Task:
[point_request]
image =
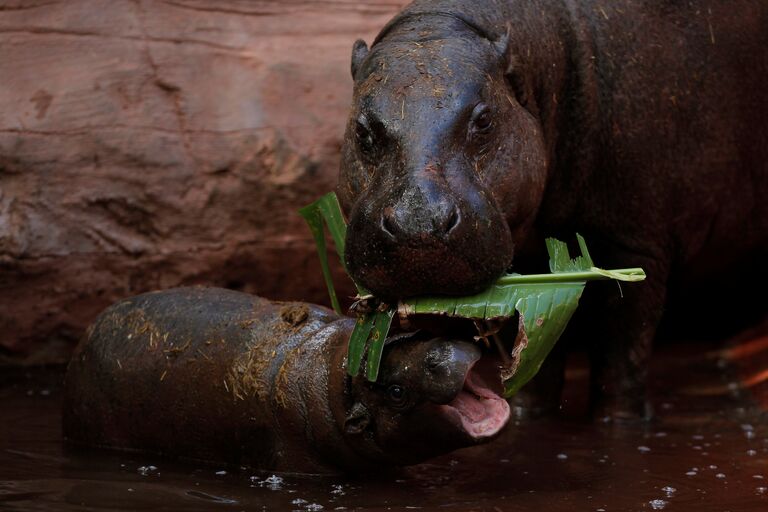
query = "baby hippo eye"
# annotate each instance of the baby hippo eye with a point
(396, 394)
(482, 119)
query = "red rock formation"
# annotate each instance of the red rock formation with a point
(150, 144)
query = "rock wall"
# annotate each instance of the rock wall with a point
(151, 144)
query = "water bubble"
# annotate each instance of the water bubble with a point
(761, 490)
(749, 434)
(273, 483)
(712, 466)
(562, 456)
(660, 434)
(697, 437)
(643, 449)
(146, 470)
(720, 475)
(299, 501)
(314, 507)
(45, 392)
(658, 504)
(337, 489)
(669, 490)
(746, 427)
(758, 477)
(751, 453)
(691, 473)
(221, 472)
(130, 489)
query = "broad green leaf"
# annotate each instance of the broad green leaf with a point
(545, 309)
(544, 302)
(544, 316)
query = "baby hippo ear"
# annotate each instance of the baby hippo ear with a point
(357, 419)
(359, 51)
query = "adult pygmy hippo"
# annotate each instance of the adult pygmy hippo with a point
(479, 125)
(218, 375)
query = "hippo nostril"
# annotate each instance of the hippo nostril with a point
(453, 221)
(432, 361)
(388, 225)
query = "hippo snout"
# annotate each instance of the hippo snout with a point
(400, 227)
(426, 242)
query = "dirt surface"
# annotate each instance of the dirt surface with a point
(145, 145)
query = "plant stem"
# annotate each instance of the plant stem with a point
(634, 274)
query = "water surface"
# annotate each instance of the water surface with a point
(707, 449)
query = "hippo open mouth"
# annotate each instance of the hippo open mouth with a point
(477, 409)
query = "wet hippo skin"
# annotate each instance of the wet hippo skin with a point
(221, 376)
(478, 127)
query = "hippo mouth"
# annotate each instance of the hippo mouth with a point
(477, 409)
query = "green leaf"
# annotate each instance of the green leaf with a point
(544, 317)
(357, 343)
(544, 302)
(560, 260)
(328, 209)
(313, 215)
(381, 323)
(545, 309)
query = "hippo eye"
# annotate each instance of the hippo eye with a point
(482, 119)
(364, 135)
(396, 394)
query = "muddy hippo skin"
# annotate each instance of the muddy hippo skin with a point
(477, 127)
(218, 375)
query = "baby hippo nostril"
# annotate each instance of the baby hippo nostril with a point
(432, 361)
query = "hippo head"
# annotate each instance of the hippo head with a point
(430, 398)
(443, 168)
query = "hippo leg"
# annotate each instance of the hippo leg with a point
(622, 338)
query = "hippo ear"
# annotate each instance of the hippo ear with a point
(357, 420)
(359, 51)
(502, 44)
(513, 69)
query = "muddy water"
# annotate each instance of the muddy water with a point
(706, 450)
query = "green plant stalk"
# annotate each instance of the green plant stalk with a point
(627, 274)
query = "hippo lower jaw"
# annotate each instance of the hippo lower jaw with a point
(477, 409)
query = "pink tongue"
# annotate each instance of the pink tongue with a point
(481, 411)
(470, 408)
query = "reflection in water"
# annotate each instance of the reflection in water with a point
(707, 449)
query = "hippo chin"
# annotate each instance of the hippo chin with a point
(221, 376)
(479, 125)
